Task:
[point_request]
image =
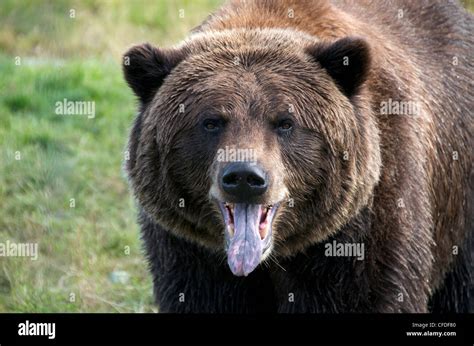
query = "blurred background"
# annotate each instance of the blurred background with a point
(61, 181)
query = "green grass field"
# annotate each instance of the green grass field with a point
(63, 157)
(48, 159)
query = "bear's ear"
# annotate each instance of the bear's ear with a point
(145, 68)
(347, 61)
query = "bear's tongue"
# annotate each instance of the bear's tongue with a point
(245, 248)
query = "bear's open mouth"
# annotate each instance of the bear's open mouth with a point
(248, 233)
(265, 215)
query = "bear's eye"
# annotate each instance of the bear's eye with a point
(211, 125)
(285, 125)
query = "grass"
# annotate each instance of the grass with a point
(69, 28)
(64, 157)
(48, 159)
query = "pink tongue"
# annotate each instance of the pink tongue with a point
(245, 248)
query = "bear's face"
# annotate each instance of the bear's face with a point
(252, 142)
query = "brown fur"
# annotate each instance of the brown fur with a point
(353, 173)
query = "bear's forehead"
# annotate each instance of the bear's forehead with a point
(285, 41)
(240, 58)
(268, 83)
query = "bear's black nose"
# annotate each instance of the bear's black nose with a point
(244, 181)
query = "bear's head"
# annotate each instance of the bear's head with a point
(252, 142)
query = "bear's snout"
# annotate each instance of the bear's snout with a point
(244, 181)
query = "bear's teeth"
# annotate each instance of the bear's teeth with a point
(231, 230)
(230, 213)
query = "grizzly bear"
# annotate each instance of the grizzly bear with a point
(308, 156)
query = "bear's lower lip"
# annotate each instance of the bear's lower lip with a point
(248, 232)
